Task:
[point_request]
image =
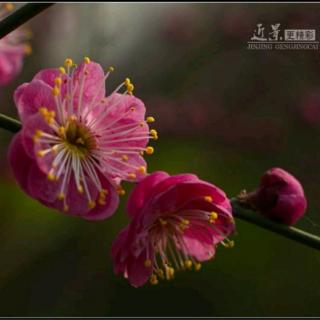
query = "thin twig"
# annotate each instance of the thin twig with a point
(20, 16)
(9, 124)
(292, 233)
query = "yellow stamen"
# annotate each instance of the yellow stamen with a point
(68, 62)
(87, 60)
(121, 191)
(27, 48)
(41, 153)
(37, 135)
(160, 273)
(58, 81)
(65, 208)
(148, 263)
(102, 202)
(142, 169)
(125, 157)
(163, 222)
(80, 188)
(54, 149)
(62, 131)
(154, 134)
(55, 91)
(51, 176)
(149, 150)
(197, 266)
(91, 204)
(61, 196)
(188, 264)
(150, 119)
(170, 273)
(62, 70)
(208, 199)
(9, 6)
(154, 279)
(132, 176)
(111, 69)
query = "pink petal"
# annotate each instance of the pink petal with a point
(94, 84)
(142, 192)
(30, 97)
(47, 76)
(138, 273)
(20, 162)
(40, 187)
(101, 212)
(198, 242)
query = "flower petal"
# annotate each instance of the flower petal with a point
(143, 191)
(29, 98)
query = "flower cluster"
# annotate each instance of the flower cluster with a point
(13, 48)
(176, 223)
(77, 144)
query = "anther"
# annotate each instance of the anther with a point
(160, 273)
(62, 70)
(125, 157)
(149, 150)
(80, 188)
(111, 69)
(132, 176)
(87, 60)
(188, 264)
(58, 81)
(154, 134)
(121, 191)
(154, 279)
(27, 49)
(65, 208)
(148, 263)
(55, 91)
(51, 176)
(68, 62)
(9, 6)
(61, 131)
(91, 204)
(61, 196)
(208, 199)
(142, 169)
(163, 222)
(150, 119)
(197, 266)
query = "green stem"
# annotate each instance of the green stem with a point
(292, 233)
(9, 124)
(20, 16)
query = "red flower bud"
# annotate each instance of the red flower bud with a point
(279, 197)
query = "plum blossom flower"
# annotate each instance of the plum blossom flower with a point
(76, 145)
(13, 48)
(279, 197)
(176, 223)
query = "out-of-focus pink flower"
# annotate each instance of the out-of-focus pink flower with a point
(280, 197)
(13, 48)
(76, 145)
(176, 223)
(310, 107)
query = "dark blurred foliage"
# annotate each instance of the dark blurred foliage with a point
(223, 112)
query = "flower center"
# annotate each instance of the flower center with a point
(78, 138)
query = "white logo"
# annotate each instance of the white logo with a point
(288, 39)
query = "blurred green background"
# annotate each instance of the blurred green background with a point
(223, 112)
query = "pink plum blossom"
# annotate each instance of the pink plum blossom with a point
(76, 145)
(13, 48)
(279, 197)
(176, 223)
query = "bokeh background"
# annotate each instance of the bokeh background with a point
(223, 112)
